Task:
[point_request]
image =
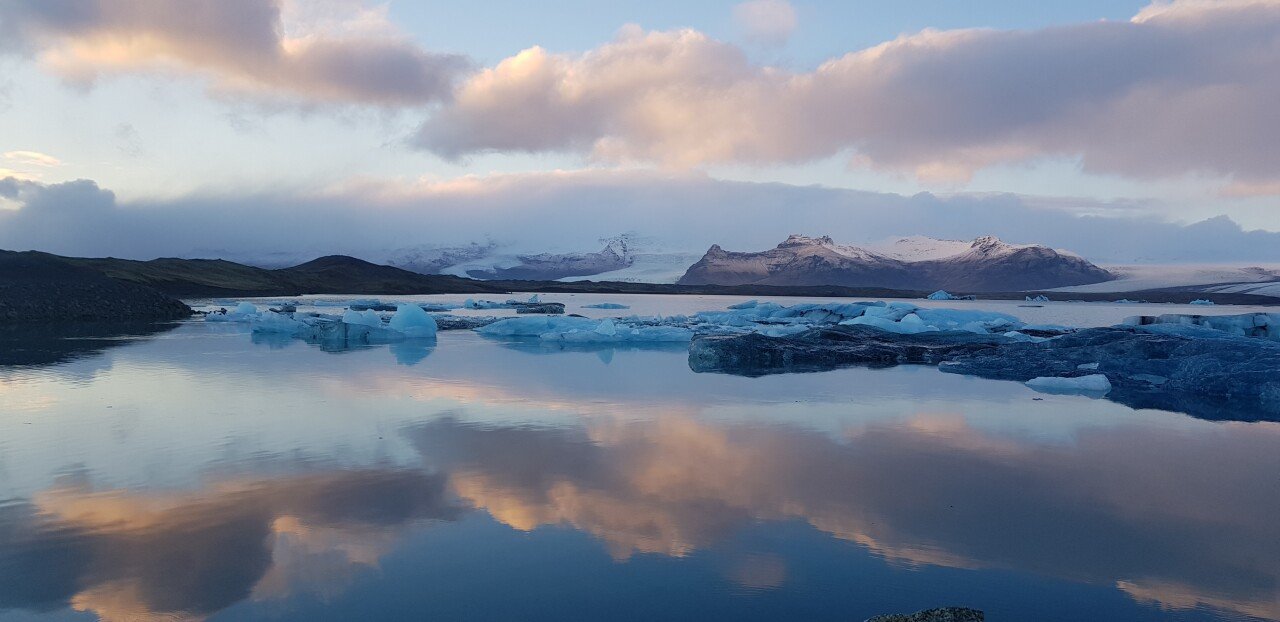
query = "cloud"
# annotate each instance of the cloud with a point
(1182, 88)
(680, 483)
(770, 22)
(32, 158)
(532, 212)
(134, 556)
(351, 54)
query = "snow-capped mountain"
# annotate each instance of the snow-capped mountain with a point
(984, 265)
(615, 255)
(433, 260)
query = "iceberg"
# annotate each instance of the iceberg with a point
(940, 295)
(606, 305)
(1093, 383)
(1039, 298)
(1201, 301)
(412, 321)
(276, 323)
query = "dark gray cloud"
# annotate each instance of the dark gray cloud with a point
(240, 45)
(572, 211)
(1184, 87)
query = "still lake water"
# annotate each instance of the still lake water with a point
(198, 473)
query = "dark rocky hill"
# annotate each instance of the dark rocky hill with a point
(38, 287)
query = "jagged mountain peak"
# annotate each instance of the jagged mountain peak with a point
(796, 239)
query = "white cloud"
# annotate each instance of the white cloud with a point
(328, 52)
(766, 21)
(1183, 88)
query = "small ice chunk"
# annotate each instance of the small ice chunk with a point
(1087, 366)
(750, 304)
(1201, 301)
(367, 317)
(1094, 383)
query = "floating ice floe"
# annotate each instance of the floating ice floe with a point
(511, 303)
(1091, 384)
(583, 330)
(1039, 298)
(909, 319)
(1201, 301)
(606, 305)
(769, 319)
(244, 312)
(941, 295)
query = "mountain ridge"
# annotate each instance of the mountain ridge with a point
(986, 264)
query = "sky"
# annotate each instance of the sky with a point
(1125, 131)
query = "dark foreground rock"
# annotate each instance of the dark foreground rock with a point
(37, 287)
(942, 614)
(1233, 378)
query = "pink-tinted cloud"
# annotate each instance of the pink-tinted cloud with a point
(1183, 87)
(241, 46)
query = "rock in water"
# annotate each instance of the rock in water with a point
(942, 614)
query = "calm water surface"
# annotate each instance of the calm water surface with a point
(198, 473)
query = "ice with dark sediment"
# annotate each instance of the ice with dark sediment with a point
(1204, 373)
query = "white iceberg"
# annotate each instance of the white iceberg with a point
(1092, 384)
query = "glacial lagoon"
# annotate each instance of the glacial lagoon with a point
(198, 471)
